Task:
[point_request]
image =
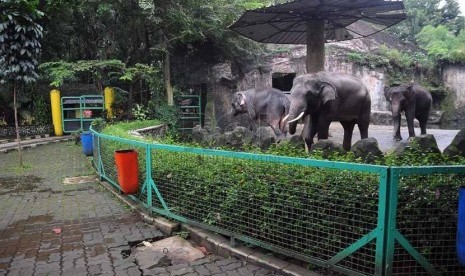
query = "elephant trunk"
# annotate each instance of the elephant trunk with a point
(292, 119)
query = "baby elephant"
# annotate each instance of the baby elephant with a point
(415, 101)
(269, 105)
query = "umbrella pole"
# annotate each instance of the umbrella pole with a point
(315, 45)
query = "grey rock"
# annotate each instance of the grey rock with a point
(200, 135)
(297, 141)
(265, 137)
(367, 149)
(457, 146)
(147, 258)
(327, 147)
(423, 143)
(237, 137)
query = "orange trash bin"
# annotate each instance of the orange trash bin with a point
(127, 168)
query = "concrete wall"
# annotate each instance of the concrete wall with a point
(454, 79)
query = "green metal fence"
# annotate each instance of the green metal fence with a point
(388, 221)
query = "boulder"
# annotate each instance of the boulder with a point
(424, 143)
(327, 147)
(297, 141)
(238, 137)
(200, 135)
(367, 149)
(457, 146)
(265, 137)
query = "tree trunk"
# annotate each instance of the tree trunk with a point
(15, 88)
(167, 78)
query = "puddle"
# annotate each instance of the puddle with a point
(79, 180)
(24, 183)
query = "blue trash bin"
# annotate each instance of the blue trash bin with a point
(87, 143)
(461, 227)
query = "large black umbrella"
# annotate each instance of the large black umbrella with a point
(314, 22)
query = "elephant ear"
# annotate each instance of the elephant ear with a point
(247, 102)
(409, 92)
(328, 92)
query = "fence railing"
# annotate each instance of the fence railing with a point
(355, 219)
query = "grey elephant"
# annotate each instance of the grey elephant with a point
(327, 97)
(412, 99)
(269, 105)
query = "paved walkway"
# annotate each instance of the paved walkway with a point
(51, 228)
(383, 134)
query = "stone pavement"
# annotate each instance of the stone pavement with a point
(51, 228)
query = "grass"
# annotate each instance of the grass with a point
(121, 129)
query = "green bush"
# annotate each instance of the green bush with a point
(310, 210)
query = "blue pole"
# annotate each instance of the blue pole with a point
(461, 227)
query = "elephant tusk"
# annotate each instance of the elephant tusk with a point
(298, 118)
(285, 118)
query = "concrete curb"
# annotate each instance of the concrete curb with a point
(214, 243)
(32, 142)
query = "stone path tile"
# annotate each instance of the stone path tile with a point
(49, 228)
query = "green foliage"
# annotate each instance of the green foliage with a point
(121, 129)
(19, 41)
(441, 44)
(42, 111)
(265, 200)
(421, 13)
(58, 72)
(140, 112)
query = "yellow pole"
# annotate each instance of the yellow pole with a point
(109, 95)
(56, 112)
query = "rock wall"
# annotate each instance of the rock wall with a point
(454, 79)
(225, 82)
(226, 78)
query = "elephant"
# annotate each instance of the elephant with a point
(415, 101)
(325, 97)
(269, 105)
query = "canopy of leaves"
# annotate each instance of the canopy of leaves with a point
(136, 31)
(421, 13)
(442, 44)
(19, 41)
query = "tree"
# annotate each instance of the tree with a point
(19, 48)
(441, 44)
(421, 13)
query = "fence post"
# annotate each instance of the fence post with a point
(99, 163)
(148, 177)
(390, 230)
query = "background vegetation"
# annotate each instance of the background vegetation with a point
(131, 44)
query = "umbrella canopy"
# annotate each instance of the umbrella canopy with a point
(314, 22)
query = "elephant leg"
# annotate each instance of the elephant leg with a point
(363, 122)
(409, 115)
(323, 127)
(423, 120)
(348, 131)
(396, 133)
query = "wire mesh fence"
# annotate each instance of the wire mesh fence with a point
(277, 204)
(333, 214)
(427, 218)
